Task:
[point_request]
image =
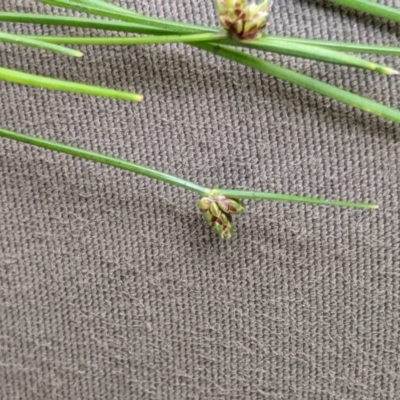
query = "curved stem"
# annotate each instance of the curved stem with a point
(171, 179)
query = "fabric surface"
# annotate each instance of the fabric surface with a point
(112, 286)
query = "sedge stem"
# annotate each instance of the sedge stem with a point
(133, 40)
(171, 179)
(302, 80)
(373, 8)
(81, 22)
(24, 78)
(102, 159)
(36, 42)
(254, 195)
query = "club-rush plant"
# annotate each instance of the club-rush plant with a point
(218, 205)
(243, 26)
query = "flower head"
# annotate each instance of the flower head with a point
(218, 211)
(243, 21)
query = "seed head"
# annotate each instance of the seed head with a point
(243, 21)
(218, 211)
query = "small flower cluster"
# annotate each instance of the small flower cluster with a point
(243, 21)
(218, 211)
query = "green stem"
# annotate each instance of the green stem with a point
(104, 10)
(370, 7)
(245, 194)
(37, 43)
(340, 46)
(103, 159)
(170, 179)
(23, 78)
(121, 41)
(81, 22)
(304, 81)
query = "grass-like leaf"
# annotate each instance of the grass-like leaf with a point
(315, 52)
(104, 9)
(304, 81)
(81, 22)
(131, 40)
(35, 42)
(373, 8)
(337, 45)
(24, 78)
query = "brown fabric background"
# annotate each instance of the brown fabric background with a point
(111, 284)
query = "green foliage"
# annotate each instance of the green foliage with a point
(216, 204)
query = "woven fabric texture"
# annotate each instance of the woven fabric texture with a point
(112, 286)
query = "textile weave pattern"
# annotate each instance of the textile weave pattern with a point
(113, 287)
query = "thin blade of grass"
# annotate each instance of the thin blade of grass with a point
(119, 13)
(23, 78)
(373, 8)
(246, 194)
(317, 53)
(339, 46)
(304, 81)
(103, 159)
(128, 41)
(81, 22)
(34, 42)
